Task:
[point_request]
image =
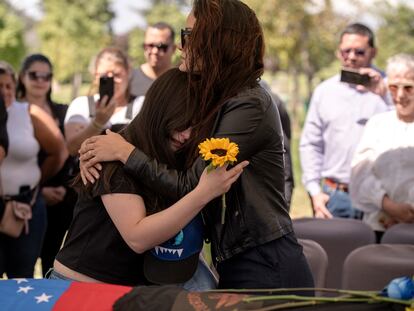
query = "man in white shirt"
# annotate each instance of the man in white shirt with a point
(337, 114)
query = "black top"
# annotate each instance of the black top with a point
(4, 139)
(67, 172)
(94, 246)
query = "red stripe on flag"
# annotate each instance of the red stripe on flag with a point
(90, 296)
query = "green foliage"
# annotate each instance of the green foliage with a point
(160, 12)
(135, 50)
(298, 35)
(12, 47)
(396, 34)
(72, 32)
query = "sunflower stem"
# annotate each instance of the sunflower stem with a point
(223, 208)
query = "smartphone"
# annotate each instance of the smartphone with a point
(25, 194)
(354, 77)
(106, 87)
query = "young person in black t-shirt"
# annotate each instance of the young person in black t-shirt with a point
(117, 218)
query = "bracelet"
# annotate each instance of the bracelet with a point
(96, 125)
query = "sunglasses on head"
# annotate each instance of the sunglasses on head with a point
(36, 76)
(357, 52)
(185, 33)
(160, 46)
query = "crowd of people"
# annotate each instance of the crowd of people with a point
(121, 173)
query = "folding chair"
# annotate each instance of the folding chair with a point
(399, 234)
(317, 259)
(372, 267)
(338, 237)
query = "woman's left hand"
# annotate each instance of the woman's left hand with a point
(219, 180)
(102, 148)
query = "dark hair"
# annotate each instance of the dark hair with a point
(359, 29)
(227, 40)
(163, 25)
(27, 62)
(7, 69)
(163, 112)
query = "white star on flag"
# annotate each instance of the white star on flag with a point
(20, 280)
(43, 298)
(25, 289)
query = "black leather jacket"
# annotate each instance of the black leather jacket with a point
(256, 209)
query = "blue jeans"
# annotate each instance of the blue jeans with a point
(53, 275)
(340, 204)
(202, 279)
(18, 256)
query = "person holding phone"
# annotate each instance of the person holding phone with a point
(113, 108)
(336, 118)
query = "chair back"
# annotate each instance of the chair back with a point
(317, 260)
(338, 237)
(372, 267)
(399, 234)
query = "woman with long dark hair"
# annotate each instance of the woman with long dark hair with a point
(118, 219)
(222, 50)
(34, 85)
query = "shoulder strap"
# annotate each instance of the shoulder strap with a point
(128, 113)
(91, 103)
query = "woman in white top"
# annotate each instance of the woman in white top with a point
(382, 180)
(29, 129)
(89, 115)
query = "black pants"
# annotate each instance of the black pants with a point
(59, 218)
(276, 264)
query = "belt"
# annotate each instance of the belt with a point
(331, 183)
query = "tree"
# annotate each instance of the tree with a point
(396, 33)
(12, 47)
(301, 37)
(72, 32)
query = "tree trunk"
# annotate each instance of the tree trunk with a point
(295, 98)
(76, 84)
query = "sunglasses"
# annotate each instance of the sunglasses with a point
(36, 76)
(407, 88)
(357, 52)
(160, 46)
(185, 34)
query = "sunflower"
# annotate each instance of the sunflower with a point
(219, 151)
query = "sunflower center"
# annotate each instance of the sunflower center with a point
(219, 152)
